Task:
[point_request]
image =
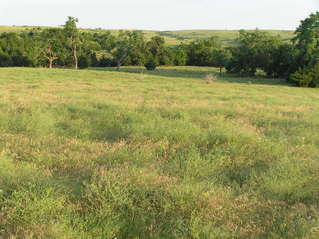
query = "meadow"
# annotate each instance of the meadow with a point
(227, 37)
(101, 153)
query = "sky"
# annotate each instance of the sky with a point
(160, 14)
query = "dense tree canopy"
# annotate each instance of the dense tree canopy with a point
(307, 40)
(201, 52)
(306, 45)
(52, 45)
(254, 50)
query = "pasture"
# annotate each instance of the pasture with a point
(102, 153)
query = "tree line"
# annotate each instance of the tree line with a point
(296, 60)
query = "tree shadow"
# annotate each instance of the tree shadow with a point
(197, 73)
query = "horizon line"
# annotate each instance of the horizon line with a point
(158, 30)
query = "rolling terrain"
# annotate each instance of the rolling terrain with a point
(173, 37)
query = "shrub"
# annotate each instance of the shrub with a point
(210, 78)
(5, 60)
(84, 62)
(151, 64)
(106, 61)
(307, 77)
(18, 60)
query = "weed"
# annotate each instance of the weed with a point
(210, 78)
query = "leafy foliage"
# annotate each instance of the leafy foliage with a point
(307, 52)
(254, 51)
(307, 77)
(307, 40)
(201, 52)
(84, 62)
(151, 63)
(72, 35)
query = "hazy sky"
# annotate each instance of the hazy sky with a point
(160, 14)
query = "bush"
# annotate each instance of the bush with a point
(307, 77)
(19, 60)
(210, 78)
(151, 64)
(84, 62)
(106, 62)
(5, 60)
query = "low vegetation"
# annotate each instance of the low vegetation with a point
(210, 78)
(107, 153)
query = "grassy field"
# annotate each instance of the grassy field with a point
(174, 37)
(104, 154)
(226, 36)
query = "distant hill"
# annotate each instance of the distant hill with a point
(226, 36)
(173, 37)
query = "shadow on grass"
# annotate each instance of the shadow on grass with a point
(196, 72)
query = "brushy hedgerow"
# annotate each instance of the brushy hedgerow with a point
(98, 154)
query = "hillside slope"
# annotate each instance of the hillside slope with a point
(173, 37)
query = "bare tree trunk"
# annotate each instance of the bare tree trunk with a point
(50, 63)
(121, 60)
(75, 57)
(51, 60)
(118, 65)
(50, 57)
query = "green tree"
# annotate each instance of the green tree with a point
(5, 60)
(12, 46)
(89, 50)
(151, 63)
(307, 40)
(221, 58)
(179, 55)
(84, 61)
(307, 77)
(281, 61)
(306, 44)
(72, 35)
(253, 51)
(122, 48)
(201, 52)
(156, 47)
(137, 48)
(129, 48)
(31, 48)
(52, 45)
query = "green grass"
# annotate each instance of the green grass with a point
(134, 154)
(19, 28)
(227, 37)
